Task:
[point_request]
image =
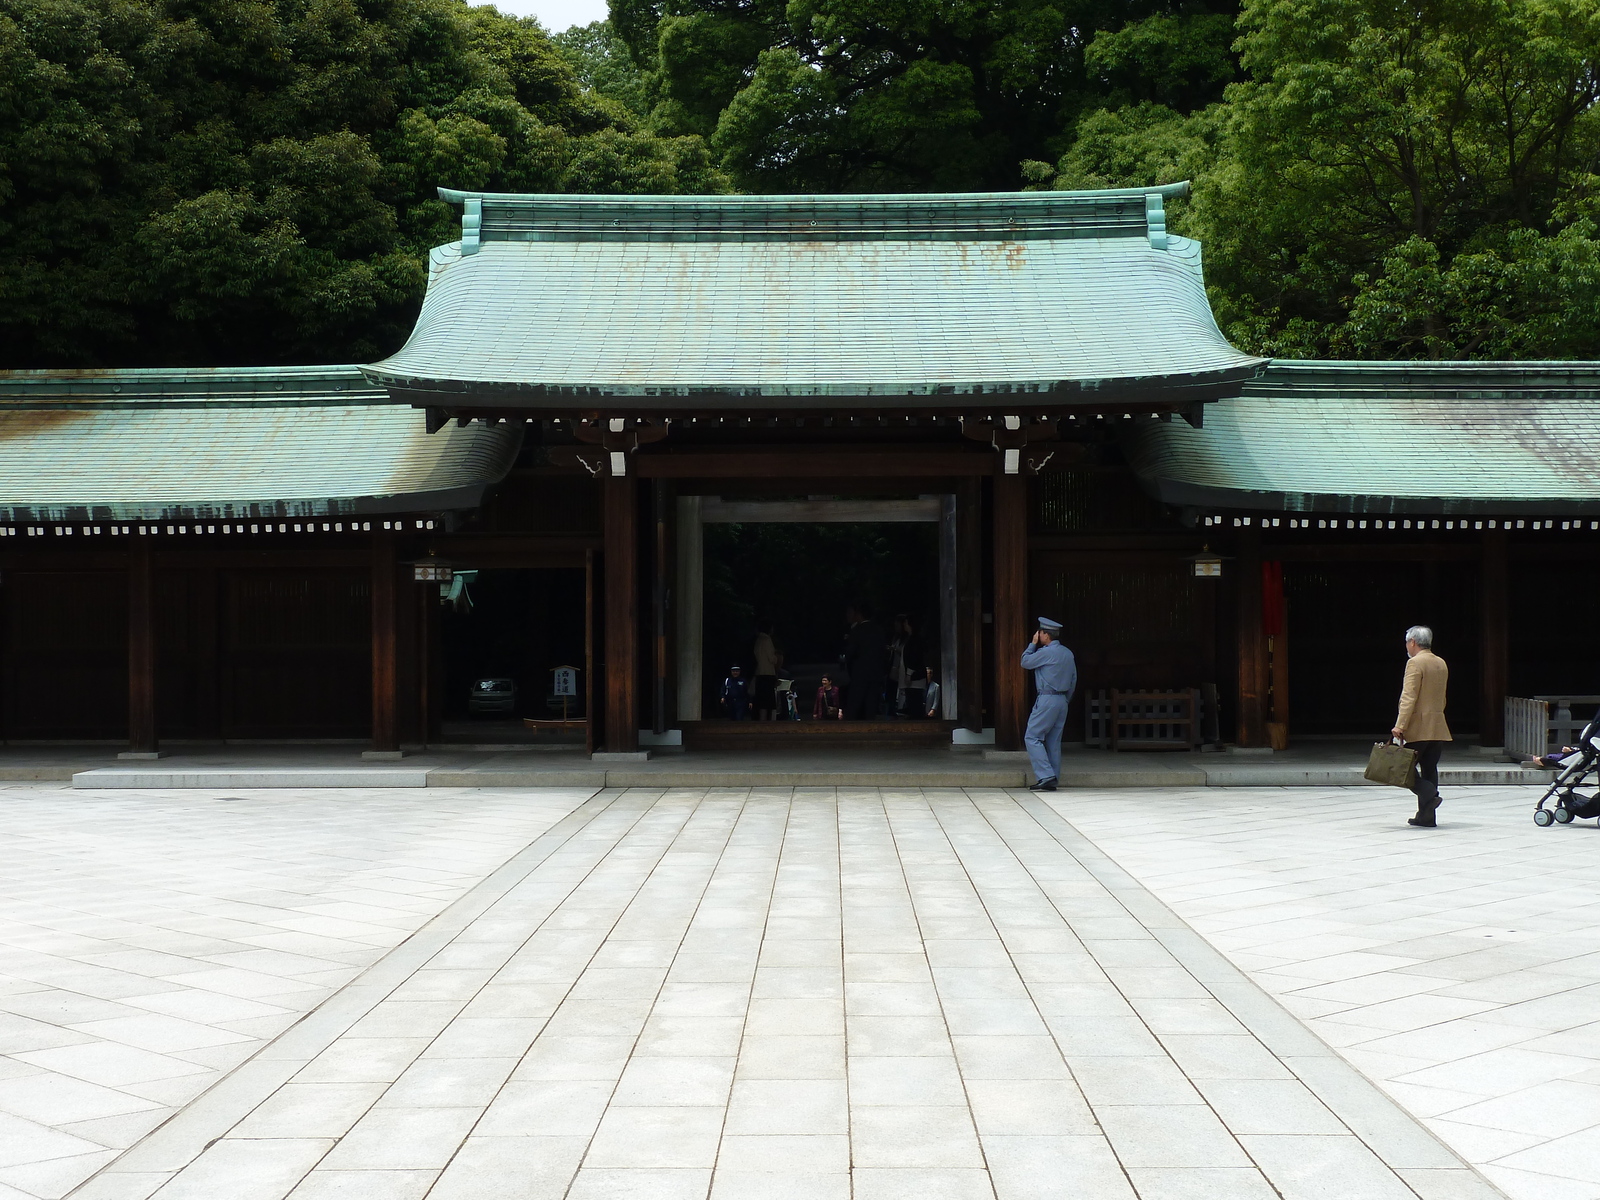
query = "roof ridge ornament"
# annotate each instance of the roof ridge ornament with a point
(1155, 218)
(955, 217)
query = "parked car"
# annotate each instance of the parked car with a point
(498, 696)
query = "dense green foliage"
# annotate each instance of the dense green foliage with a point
(194, 181)
(252, 181)
(1388, 181)
(863, 95)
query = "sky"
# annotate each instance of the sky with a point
(554, 15)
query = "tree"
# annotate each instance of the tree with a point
(1409, 180)
(252, 181)
(915, 95)
(602, 63)
(1387, 181)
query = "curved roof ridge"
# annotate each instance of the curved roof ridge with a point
(187, 387)
(1167, 191)
(955, 216)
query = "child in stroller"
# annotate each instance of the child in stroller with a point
(1572, 766)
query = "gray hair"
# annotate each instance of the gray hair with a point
(1421, 635)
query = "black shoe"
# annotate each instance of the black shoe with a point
(1421, 824)
(1044, 785)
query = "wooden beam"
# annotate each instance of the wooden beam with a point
(813, 462)
(1494, 624)
(969, 604)
(716, 511)
(385, 662)
(1011, 616)
(1251, 718)
(621, 613)
(142, 737)
(1407, 552)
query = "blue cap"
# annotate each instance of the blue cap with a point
(1049, 626)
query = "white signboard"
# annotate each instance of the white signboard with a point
(565, 682)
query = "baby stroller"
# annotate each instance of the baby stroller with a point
(1573, 767)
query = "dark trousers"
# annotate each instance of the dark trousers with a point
(1426, 785)
(862, 700)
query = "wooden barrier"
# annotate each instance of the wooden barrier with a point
(1533, 729)
(1174, 719)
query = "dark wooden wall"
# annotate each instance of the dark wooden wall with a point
(296, 654)
(263, 652)
(1347, 622)
(65, 654)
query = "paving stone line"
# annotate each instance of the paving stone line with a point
(896, 962)
(1398, 1139)
(187, 1133)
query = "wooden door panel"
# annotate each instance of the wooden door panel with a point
(297, 654)
(66, 654)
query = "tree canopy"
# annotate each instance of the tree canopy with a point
(206, 181)
(910, 95)
(1388, 181)
(252, 181)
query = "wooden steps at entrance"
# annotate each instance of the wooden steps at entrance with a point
(786, 736)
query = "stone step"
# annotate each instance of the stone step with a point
(999, 771)
(264, 777)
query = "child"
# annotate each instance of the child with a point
(736, 694)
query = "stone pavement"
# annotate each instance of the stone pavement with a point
(151, 942)
(814, 992)
(1458, 967)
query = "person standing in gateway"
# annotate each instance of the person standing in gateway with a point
(1055, 676)
(1420, 723)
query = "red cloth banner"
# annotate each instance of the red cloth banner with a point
(1272, 598)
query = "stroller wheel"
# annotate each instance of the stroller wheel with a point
(1542, 817)
(1564, 816)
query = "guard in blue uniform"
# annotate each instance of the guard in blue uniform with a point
(1055, 677)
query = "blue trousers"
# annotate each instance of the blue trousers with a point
(1043, 738)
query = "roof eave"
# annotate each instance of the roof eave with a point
(1130, 394)
(444, 500)
(1211, 497)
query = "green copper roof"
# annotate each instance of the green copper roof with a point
(672, 303)
(227, 442)
(1389, 438)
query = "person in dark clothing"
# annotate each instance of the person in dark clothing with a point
(736, 694)
(906, 668)
(826, 706)
(866, 658)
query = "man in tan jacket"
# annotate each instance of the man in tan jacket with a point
(1421, 722)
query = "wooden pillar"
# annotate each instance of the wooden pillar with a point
(591, 713)
(385, 647)
(947, 668)
(689, 603)
(1011, 617)
(621, 613)
(969, 604)
(1251, 724)
(427, 651)
(142, 740)
(1495, 620)
(661, 497)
